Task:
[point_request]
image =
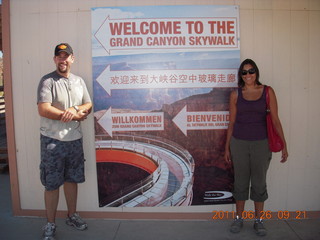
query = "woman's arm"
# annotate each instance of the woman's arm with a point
(232, 119)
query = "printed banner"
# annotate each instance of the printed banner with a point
(162, 78)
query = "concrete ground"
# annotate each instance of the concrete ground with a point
(13, 228)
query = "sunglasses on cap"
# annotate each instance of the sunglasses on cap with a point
(250, 71)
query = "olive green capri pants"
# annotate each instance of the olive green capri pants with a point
(251, 161)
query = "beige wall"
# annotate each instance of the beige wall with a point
(282, 36)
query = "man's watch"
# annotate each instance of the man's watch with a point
(76, 108)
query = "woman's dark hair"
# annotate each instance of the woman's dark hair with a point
(254, 65)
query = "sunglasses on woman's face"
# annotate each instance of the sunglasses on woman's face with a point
(250, 71)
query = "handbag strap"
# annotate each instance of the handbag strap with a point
(267, 98)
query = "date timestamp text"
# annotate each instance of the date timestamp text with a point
(219, 215)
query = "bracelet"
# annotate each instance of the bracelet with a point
(76, 108)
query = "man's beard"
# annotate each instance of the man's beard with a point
(63, 69)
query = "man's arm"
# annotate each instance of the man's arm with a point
(84, 111)
(48, 111)
(86, 107)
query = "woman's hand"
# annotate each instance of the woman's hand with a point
(285, 155)
(227, 157)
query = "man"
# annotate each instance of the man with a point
(63, 102)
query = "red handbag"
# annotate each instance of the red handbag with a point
(275, 142)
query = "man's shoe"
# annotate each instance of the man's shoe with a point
(49, 230)
(259, 227)
(236, 225)
(76, 221)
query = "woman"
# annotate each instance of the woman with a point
(247, 142)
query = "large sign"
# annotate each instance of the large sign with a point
(162, 78)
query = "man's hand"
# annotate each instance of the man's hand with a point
(69, 115)
(82, 115)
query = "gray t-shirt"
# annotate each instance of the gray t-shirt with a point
(62, 93)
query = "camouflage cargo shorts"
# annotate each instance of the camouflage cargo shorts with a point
(61, 161)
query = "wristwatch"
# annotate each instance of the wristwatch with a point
(76, 108)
